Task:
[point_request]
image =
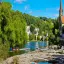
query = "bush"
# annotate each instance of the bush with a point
(4, 48)
(15, 60)
(31, 37)
(38, 37)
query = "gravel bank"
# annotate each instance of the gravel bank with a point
(28, 58)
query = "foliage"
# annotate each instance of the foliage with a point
(46, 25)
(32, 37)
(17, 52)
(38, 37)
(4, 48)
(12, 29)
(32, 27)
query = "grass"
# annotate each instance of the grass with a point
(13, 53)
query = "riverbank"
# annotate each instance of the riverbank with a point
(28, 58)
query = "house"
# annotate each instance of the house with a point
(28, 30)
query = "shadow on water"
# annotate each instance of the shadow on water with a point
(13, 53)
(31, 45)
(42, 63)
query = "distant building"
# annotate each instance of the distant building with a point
(37, 30)
(61, 19)
(61, 25)
(28, 30)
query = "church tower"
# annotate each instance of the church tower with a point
(60, 17)
(61, 25)
(60, 10)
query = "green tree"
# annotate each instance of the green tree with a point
(12, 29)
(32, 28)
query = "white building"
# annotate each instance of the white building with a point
(28, 30)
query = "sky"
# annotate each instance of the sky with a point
(44, 8)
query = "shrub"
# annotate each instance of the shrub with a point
(4, 48)
(32, 37)
(15, 60)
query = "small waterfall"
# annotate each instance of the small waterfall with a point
(37, 45)
(28, 45)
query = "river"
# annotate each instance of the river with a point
(41, 63)
(33, 45)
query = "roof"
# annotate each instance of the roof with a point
(62, 19)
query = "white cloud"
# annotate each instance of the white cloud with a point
(57, 9)
(36, 16)
(19, 1)
(56, 15)
(26, 7)
(51, 9)
(12, 6)
(30, 12)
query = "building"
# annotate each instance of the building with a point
(28, 30)
(61, 25)
(61, 19)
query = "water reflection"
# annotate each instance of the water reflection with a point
(41, 63)
(34, 45)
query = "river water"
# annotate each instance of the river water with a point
(44, 63)
(41, 63)
(33, 45)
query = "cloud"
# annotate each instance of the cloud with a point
(26, 7)
(57, 9)
(51, 9)
(56, 15)
(12, 5)
(30, 12)
(36, 16)
(20, 1)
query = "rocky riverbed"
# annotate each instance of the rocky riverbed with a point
(30, 57)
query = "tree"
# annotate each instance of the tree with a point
(32, 28)
(4, 18)
(12, 29)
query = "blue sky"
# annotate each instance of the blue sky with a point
(47, 8)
